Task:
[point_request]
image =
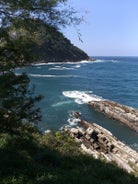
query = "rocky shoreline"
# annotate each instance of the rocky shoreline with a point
(101, 144)
(124, 114)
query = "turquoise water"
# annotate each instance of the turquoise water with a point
(66, 87)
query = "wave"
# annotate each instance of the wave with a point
(55, 63)
(134, 146)
(72, 121)
(99, 61)
(65, 68)
(47, 131)
(61, 103)
(105, 61)
(61, 68)
(39, 64)
(115, 61)
(52, 76)
(77, 66)
(76, 63)
(82, 97)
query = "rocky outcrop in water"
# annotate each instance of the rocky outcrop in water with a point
(124, 114)
(101, 144)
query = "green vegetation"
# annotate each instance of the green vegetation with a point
(17, 103)
(24, 25)
(54, 47)
(30, 158)
(26, 155)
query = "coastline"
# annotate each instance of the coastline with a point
(44, 62)
(124, 114)
(102, 144)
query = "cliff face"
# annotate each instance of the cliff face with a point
(56, 48)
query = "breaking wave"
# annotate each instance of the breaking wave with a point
(72, 121)
(61, 68)
(39, 64)
(52, 76)
(65, 68)
(58, 104)
(55, 63)
(77, 63)
(105, 61)
(134, 146)
(82, 97)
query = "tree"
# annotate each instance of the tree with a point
(20, 22)
(17, 103)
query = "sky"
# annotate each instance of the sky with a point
(110, 27)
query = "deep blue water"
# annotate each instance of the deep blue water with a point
(113, 78)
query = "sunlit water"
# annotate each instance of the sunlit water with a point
(68, 87)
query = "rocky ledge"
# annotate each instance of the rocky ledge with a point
(124, 114)
(101, 144)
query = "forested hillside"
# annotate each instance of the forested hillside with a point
(54, 47)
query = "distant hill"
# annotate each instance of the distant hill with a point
(56, 48)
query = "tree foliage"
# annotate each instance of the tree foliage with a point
(51, 12)
(22, 27)
(17, 103)
(20, 31)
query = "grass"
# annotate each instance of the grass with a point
(54, 158)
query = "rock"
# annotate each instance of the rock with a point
(116, 111)
(92, 140)
(89, 131)
(96, 146)
(100, 143)
(76, 114)
(112, 147)
(88, 137)
(94, 135)
(74, 131)
(81, 130)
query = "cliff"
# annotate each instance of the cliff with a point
(54, 47)
(101, 144)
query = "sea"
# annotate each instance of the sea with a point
(67, 87)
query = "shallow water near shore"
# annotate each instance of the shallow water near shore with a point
(67, 87)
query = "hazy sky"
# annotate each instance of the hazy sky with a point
(111, 27)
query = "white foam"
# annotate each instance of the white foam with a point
(52, 76)
(115, 61)
(47, 131)
(39, 64)
(105, 61)
(77, 66)
(72, 63)
(61, 68)
(100, 61)
(73, 121)
(82, 97)
(61, 103)
(77, 62)
(134, 146)
(65, 68)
